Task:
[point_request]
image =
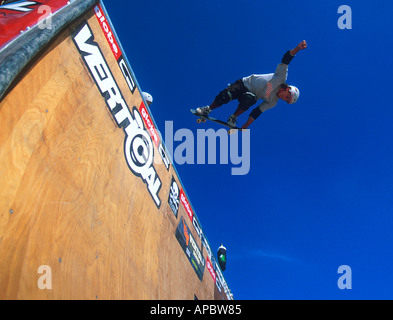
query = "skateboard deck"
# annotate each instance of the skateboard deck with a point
(204, 118)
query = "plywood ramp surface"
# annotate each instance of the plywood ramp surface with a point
(68, 199)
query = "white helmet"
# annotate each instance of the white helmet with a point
(294, 94)
(148, 97)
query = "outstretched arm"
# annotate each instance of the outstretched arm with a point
(301, 46)
(286, 59)
(288, 56)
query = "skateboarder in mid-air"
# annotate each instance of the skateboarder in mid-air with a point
(268, 87)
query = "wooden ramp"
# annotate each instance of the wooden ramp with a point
(90, 206)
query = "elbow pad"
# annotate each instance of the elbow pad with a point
(286, 59)
(255, 113)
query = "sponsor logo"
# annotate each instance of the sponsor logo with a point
(186, 204)
(186, 233)
(115, 47)
(207, 246)
(154, 134)
(196, 251)
(209, 267)
(149, 124)
(197, 227)
(190, 213)
(107, 32)
(127, 74)
(190, 248)
(219, 285)
(138, 146)
(164, 156)
(173, 200)
(210, 259)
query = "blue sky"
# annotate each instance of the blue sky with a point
(319, 191)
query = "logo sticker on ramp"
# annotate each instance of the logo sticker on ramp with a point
(138, 144)
(173, 199)
(190, 247)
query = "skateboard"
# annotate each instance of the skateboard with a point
(202, 118)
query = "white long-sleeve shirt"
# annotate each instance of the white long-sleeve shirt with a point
(265, 86)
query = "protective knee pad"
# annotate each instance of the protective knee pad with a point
(246, 100)
(223, 97)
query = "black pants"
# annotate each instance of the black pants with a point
(235, 90)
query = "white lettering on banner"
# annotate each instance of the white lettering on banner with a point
(149, 124)
(186, 205)
(206, 245)
(115, 47)
(110, 37)
(197, 252)
(138, 147)
(219, 275)
(107, 31)
(211, 269)
(197, 227)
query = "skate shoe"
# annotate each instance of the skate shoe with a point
(204, 111)
(232, 120)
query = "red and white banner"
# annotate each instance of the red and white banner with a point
(209, 267)
(186, 204)
(106, 29)
(149, 124)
